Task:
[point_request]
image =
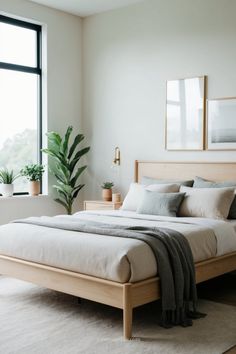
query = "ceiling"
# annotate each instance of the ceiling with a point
(85, 8)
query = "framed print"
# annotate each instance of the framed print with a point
(185, 114)
(221, 124)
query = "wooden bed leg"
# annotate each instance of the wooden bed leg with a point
(127, 311)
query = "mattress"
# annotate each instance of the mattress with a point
(117, 259)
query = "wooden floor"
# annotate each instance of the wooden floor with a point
(221, 289)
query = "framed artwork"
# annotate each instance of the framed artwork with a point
(221, 124)
(185, 113)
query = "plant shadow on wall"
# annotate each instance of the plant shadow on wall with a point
(65, 158)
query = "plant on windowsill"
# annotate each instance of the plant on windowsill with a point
(7, 178)
(65, 158)
(34, 174)
(107, 191)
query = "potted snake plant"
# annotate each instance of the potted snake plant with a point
(7, 178)
(34, 174)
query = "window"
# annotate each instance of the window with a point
(20, 96)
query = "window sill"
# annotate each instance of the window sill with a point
(24, 197)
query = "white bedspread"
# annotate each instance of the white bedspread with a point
(225, 231)
(108, 257)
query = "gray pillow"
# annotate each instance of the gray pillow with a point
(148, 180)
(155, 203)
(203, 183)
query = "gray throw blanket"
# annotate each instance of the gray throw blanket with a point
(173, 255)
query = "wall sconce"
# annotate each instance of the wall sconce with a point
(116, 160)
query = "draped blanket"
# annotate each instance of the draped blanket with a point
(173, 256)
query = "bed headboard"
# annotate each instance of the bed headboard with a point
(216, 171)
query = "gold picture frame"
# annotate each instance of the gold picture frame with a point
(185, 114)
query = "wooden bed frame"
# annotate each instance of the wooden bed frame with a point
(127, 296)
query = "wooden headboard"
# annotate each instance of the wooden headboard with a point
(215, 171)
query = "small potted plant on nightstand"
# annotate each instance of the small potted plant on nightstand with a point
(7, 178)
(107, 191)
(34, 175)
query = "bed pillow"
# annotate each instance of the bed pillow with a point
(203, 183)
(206, 202)
(164, 204)
(163, 188)
(149, 180)
(136, 190)
(200, 182)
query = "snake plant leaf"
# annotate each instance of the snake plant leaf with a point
(7, 176)
(76, 191)
(77, 157)
(65, 188)
(60, 191)
(51, 153)
(54, 138)
(64, 171)
(57, 155)
(66, 140)
(77, 140)
(76, 176)
(55, 170)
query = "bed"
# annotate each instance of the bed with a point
(122, 288)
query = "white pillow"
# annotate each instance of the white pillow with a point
(163, 188)
(206, 202)
(136, 191)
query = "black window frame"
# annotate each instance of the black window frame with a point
(31, 70)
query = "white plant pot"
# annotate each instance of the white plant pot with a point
(7, 190)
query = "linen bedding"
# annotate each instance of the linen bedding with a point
(117, 259)
(173, 256)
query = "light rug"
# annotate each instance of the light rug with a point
(37, 320)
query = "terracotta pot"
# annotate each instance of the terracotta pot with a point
(34, 188)
(116, 197)
(7, 190)
(107, 195)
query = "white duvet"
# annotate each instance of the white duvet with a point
(113, 258)
(224, 231)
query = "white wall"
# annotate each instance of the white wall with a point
(23, 206)
(63, 96)
(128, 54)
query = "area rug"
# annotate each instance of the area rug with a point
(41, 321)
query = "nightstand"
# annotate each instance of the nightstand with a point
(101, 205)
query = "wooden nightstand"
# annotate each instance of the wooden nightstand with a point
(101, 205)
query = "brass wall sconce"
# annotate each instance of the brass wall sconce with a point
(116, 160)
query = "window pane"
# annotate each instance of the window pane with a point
(19, 120)
(17, 45)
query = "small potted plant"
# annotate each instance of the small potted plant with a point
(7, 178)
(107, 191)
(34, 175)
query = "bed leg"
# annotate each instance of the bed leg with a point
(127, 311)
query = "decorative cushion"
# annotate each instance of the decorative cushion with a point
(149, 180)
(136, 190)
(163, 188)
(155, 203)
(203, 183)
(206, 202)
